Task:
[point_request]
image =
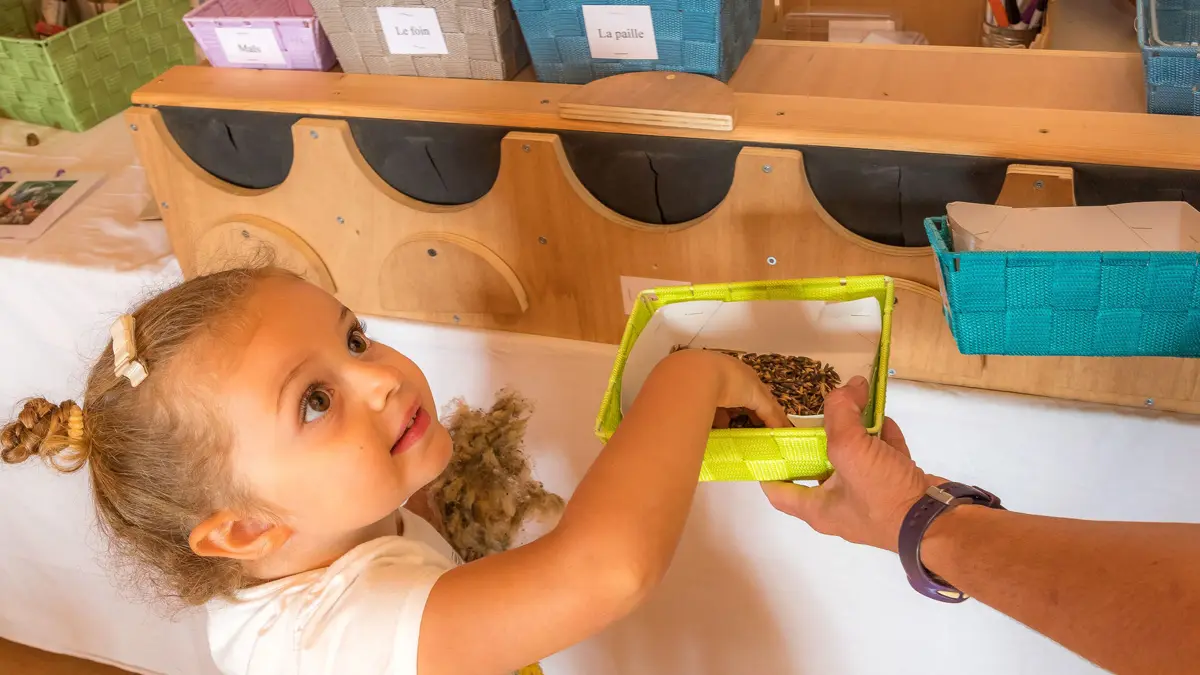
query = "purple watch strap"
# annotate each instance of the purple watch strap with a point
(935, 502)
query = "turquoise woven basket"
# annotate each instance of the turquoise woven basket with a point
(1169, 32)
(708, 37)
(1032, 303)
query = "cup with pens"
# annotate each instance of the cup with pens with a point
(1013, 23)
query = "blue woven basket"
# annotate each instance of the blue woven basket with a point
(708, 37)
(1033, 303)
(1169, 31)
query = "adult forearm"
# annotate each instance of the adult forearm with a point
(1123, 595)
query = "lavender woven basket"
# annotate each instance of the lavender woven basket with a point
(481, 38)
(270, 34)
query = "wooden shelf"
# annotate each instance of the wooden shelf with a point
(1027, 133)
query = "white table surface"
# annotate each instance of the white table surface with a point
(751, 591)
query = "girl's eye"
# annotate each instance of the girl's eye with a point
(357, 341)
(315, 404)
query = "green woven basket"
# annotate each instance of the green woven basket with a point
(84, 75)
(761, 454)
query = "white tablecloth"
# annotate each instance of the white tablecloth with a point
(751, 591)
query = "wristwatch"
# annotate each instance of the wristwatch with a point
(936, 501)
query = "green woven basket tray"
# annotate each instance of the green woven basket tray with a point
(761, 454)
(86, 74)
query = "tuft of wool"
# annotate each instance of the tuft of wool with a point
(487, 498)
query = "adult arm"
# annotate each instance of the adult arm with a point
(614, 541)
(1125, 596)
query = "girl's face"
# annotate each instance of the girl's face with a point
(332, 431)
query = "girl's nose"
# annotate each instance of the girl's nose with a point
(377, 383)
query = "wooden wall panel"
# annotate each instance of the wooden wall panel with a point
(549, 256)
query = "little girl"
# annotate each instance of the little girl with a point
(251, 448)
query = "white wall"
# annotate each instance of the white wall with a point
(751, 591)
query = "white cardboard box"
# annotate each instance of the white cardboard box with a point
(843, 334)
(1142, 226)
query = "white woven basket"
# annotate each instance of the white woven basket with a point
(482, 38)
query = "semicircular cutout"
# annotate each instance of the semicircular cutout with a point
(885, 196)
(247, 149)
(248, 241)
(447, 274)
(445, 164)
(652, 179)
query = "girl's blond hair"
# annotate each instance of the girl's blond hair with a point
(156, 453)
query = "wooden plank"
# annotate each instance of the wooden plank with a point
(561, 253)
(1010, 78)
(944, 22)
(676, 100)
(986, 131)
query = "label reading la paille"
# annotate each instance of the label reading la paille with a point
(620, 32)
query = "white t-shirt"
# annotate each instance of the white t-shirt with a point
(359, 616)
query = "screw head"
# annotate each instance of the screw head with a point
(1149, 403)
(245, 234)
(313, 134)
(771, 260)
(456, 319)
(766, 168)
(432, 252)
(542, 240)
(133, 127)
(891, 371)
(164, 205)
(525, 148)
(340, 220)
(1038, 185)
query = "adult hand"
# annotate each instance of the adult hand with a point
(875, 480)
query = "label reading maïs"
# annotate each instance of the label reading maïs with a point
(620, 32)
(251, 46)
(412, 30)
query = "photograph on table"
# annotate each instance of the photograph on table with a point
(29, 205)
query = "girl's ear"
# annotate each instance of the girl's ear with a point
(228, 535)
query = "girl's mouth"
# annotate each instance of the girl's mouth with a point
(417, 426)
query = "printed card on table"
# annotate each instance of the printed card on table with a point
(29, 205)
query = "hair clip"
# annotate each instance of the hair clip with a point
(125, 357)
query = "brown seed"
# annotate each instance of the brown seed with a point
(798, 382)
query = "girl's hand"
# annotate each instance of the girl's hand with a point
(738, 385)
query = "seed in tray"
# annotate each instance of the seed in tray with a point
(798, 382)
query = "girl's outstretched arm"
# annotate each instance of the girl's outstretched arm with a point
(616, 537)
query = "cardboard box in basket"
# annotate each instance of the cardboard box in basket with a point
(473, 39)
(842, 322)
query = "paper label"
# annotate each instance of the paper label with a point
(412, 30)
(251, 46)
(620, 32)
(631, 287)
